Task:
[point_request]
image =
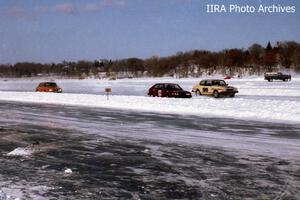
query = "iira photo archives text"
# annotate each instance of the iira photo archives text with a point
(235, 8)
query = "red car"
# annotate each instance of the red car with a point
(227, 77)
(168, 90)
(48, 87)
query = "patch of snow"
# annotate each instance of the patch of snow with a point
(20, 152)
(15, 191)
(68, 171)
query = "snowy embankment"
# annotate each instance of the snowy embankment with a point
(255, 87)
(285, 110)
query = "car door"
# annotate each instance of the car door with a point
(161, 90)
(155, 89)
(200, 86)
(206, 87)
(214, 86)
(158, 90)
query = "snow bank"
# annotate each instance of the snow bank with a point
(239, 107)
(256, 87)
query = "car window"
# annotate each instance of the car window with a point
(50, 84)
(219, 82)
(173, 87)
(202, 82)
(208, 83)
(215, 82)
(159, 86)
(222, 83)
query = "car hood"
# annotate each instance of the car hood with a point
(231, 87)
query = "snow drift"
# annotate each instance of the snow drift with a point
(239, 107)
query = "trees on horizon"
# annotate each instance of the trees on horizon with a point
(254, 60)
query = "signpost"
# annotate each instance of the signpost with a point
(107, 90)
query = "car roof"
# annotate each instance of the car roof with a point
(212, 80)
(47, 82)
(167, 83)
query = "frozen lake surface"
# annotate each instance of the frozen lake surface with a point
(66, 152)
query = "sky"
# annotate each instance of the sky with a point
(72, 30)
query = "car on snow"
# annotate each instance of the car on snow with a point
(270, 76)
(168, 90)
(48, 87)
(214, 87)
(227, 77)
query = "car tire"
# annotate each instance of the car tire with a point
(232, 95)
(216, 94)
(198, 93)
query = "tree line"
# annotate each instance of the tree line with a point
(254, 60)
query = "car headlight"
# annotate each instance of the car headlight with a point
(50, 90)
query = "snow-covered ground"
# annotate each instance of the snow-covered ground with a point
(257, 99)
(255, 86)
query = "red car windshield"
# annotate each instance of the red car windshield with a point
(50, 85)
(173, 87)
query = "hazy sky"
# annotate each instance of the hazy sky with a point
(53, 30)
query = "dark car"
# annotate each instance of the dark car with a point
(270, 76)
(168, 90)
(48, 87)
